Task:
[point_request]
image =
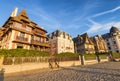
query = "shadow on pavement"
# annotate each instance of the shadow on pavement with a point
(92, 72)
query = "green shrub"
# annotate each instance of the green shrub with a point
(116, 55)
(67, 54)
(23, 53)
(89, 56)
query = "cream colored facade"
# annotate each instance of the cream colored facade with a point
(60, 42)
(20, 32)
(83, 44)
(99, 44)
(112, 40)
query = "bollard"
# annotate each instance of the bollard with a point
(13, 60)
(107, 58)
(82, 59)
(98, 58)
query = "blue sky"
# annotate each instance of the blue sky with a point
(72, 16)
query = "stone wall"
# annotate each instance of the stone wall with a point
(32, 66)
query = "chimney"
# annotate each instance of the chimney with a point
(14, 13)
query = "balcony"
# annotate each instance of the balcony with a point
(89, 49)
(21, 39)
(35, 42)
(19, 27)
(39, 32)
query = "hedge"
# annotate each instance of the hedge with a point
(116, 55)
(23, 53)
(67, 54)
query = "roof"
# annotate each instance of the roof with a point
(96, 38)
(57, 33)
(114, 29)
(23, 17)
(83, 39)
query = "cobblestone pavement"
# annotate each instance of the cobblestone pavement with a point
(109, 71)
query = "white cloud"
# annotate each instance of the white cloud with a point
(97, 27)
(46, 19)
(106, 12)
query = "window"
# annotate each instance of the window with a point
(18, 25)
(117, 51)
(109, 48)
(32, 37)
(114, 42)
(116, 47)
(42, 39)
(54, 45)
(22, 34)
(38, 38)
(119, 37)
(19, 46)
(108, 43)
(106, 39)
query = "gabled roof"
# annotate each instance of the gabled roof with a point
(96, 38)
(22, 16)
(83, 39)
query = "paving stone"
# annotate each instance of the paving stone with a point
(109, 71)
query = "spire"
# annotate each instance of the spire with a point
(14, 13)
(23, 16)
(23, 13)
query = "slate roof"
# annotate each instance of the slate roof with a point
(57, 33)
(83, 39)
(114, 29)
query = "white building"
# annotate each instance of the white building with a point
(112, 40)
(60, 42)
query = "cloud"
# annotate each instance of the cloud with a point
(106, 12)
(44, 18)
(40, 15)
(97, 27)
(100, 27)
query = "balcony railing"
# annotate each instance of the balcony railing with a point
(38, 32)
(89, 49)
(21, 39)
(19, 27)
(39, 43)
